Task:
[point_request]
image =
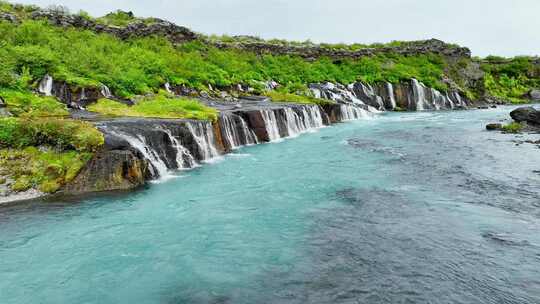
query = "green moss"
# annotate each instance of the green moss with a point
(24, 103)
(514, 127)
(44, 170)
(399, 109)
(63, 134)
(295, 98)
(157, 107)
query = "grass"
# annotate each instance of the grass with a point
(65, 146)
(510, 78)
(295, 98)
(142, 65)
(157, 107)
(62, 134)
(24, 103)
(514, 127)
(46, 171)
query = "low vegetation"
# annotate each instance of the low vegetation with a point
(157, 107)
(44, 153)
(26, 104)
(45, 170)
(513, 127)
(142, 65)
(295, 98)
(510, 79)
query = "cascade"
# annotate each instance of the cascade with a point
(236, 132)
(184, 159)
(391, 97)
(367, 93)
(418, 95)
(168, 88)
(293, 122)
(271, 124)
(105, 91)
(204, 136)
(350, 112)
(83, 94)
(158, 168)
(46, 85)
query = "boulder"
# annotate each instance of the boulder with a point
(494, 126)
(534, 94)
(526, 114)
(3, 108)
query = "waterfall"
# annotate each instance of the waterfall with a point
(46, 85)
(158, 168)
(105, 91)
(83, 94)
(203, 134)
(350, 112)
(418, 95)
(184, 159)
(168, 88)
(271, 124)
(293, 122)
(236, 131)
(457, 99)
(391, 97)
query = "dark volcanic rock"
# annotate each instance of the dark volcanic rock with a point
(110, 170)
(313, 52)
(526, 114)
(494, 126)
(8, 17)
(534, 94)
(171, 31)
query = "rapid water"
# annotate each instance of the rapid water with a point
(403, 208)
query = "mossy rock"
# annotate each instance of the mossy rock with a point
(23, 183)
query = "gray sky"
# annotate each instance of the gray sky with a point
(501, 27)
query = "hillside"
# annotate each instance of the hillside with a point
(53, 63)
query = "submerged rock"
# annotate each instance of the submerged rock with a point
(494, 126)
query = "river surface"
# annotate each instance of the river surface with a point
(401, 208)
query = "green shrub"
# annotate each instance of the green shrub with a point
(157, 107)
(142, 65)
(514, 127)
(294, 98)
(24, 103)
(63, 134)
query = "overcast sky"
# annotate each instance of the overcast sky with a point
(501, 27)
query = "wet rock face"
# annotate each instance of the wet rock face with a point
(73, 96)
(526, 114)
(412, 95)
(171, 31)
(110, 170)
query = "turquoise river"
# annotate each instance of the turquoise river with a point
(401, 208)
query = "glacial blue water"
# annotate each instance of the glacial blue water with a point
(403, 208)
